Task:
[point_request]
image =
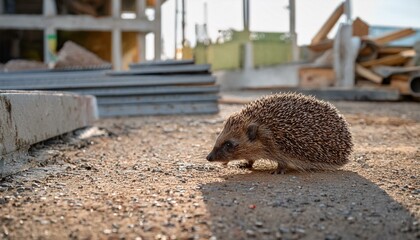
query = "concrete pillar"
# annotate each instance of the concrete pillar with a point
(116, 37)
(1, 6)
(141, 44)
(245, 9)
(158, 30)
(345, 51)
(50, 33)
(347, 11)
(141, 8)
(248, 56)
(183, 24)
(292, 30)
(141, 36)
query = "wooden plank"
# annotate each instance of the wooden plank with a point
(400, 84)
(328, 25)
(158, 109)
(360, 27)
(322, 45)
(386, 71)
(408, 53)
(401, 77)
(392, 50)
(368, 51)
(368, 74)
(389, 37)
(316, 77)
(391, 60)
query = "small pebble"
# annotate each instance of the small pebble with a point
(259, 224)
(250, 233)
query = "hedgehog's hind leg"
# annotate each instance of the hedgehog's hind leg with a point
(281, 168)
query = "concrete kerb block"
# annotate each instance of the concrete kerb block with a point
(29, 117)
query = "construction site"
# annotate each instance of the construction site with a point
(111, 113)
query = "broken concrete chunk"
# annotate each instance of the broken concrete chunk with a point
(72, 55)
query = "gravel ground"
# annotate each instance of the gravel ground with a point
(147, 178)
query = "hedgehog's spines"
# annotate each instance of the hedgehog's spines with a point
(308, 133)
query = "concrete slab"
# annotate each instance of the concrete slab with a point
(105, 82)
(155, 90)
(170, 98)
(112, 110)
(160, 63)
(285, 75)
(164, 69)
(30, 117)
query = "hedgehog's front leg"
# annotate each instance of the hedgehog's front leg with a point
(247, 165)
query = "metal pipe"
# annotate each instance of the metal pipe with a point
(292, 29)
(246, 14)
(415, 85)
(183, 22)
(176, 28)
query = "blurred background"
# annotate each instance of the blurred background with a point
(248, 43)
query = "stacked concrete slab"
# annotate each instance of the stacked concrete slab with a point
(151, 88)
(30, 117)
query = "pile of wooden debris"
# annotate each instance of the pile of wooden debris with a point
(376, 62)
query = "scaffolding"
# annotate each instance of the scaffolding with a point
(49, 22)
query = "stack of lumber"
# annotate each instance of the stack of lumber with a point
(152, 88)
(382, 64)
(376, 62)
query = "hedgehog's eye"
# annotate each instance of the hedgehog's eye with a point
(228, 145)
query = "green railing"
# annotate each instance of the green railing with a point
(268, 53)
(268, 49)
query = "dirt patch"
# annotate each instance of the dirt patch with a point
(148, 179)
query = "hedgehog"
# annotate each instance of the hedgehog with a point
(298, 132)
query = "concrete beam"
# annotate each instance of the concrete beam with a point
(30, 117)
(68, 22)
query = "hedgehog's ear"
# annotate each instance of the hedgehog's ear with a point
(252, 131)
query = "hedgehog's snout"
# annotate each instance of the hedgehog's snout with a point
(210, 157)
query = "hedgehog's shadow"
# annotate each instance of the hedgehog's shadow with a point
(331, 201)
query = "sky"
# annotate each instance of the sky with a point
(273, 16)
